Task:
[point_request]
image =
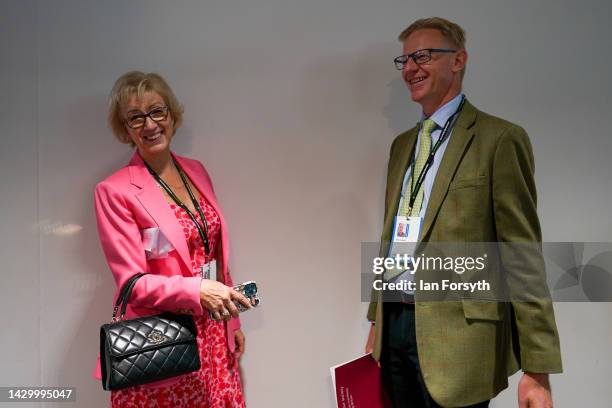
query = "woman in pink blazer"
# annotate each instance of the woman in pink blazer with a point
(144, 224)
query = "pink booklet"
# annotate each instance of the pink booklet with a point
(357, 384)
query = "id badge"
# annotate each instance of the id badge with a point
(407, 229)
(405, 232)
(209, 270)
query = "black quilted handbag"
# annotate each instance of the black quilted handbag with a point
(147, 348)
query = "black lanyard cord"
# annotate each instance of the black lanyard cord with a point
(415, 187)
(203, 233)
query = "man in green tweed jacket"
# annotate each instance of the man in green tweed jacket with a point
(480, 188)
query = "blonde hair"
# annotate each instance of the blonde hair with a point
(138, 83)
(452, 32)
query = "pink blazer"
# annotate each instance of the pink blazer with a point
(129, 202)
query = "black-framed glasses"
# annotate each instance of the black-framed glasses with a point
(419, 57)
(138, 120)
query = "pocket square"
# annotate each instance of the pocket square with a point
(155, 243)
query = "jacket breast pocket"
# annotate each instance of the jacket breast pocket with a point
(155, 243)
(467, 183)
(464, 210)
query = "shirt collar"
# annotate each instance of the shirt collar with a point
(445, 111)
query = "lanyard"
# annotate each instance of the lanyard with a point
(166, 187)
(414, 187)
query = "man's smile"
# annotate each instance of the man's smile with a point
(416, 80)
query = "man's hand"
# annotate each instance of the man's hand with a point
(534, 391)
(370, 343)
(369, 348)
(239, 339)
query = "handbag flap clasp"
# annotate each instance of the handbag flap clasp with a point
(148, 333)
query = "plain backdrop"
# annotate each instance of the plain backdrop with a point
(292, 107)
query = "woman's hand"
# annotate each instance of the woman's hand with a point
(218, 299)
(239, 339)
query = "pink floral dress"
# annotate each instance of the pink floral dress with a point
(217, 383)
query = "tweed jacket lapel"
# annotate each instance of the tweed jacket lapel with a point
(463, 132)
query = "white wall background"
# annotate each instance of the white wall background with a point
(292, 106)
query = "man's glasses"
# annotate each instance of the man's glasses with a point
(136, 121)
(419, 57)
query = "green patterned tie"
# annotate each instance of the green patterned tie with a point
(424, 150)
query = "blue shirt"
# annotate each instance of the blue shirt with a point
(439, 117)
